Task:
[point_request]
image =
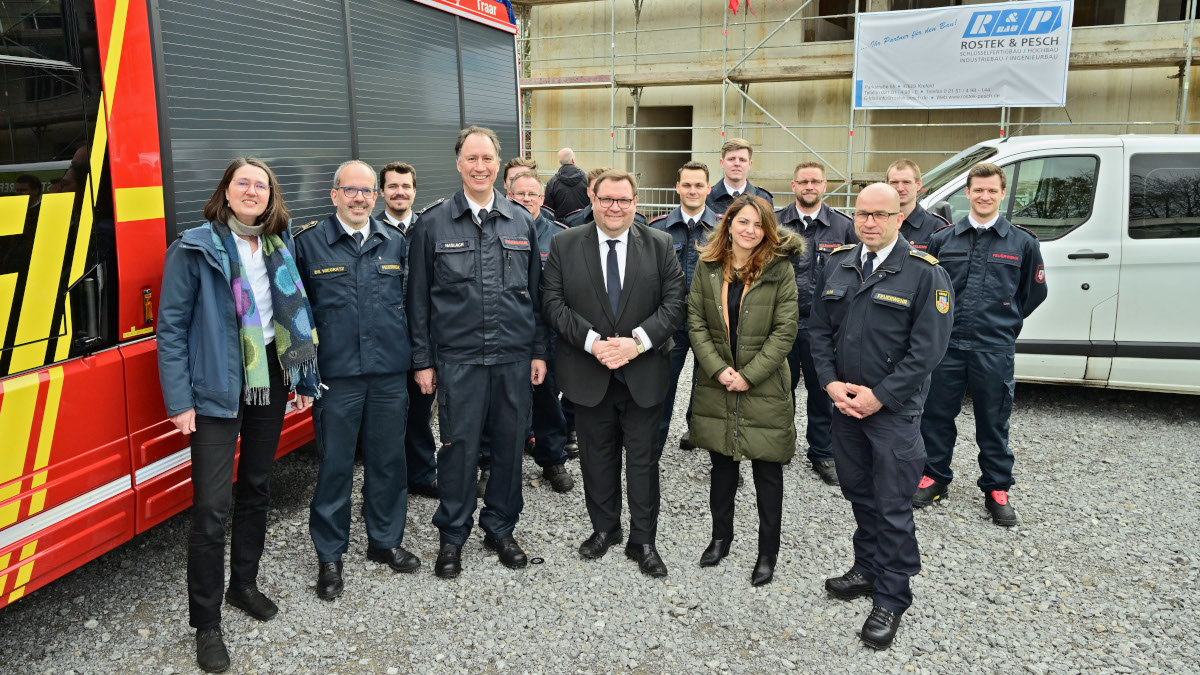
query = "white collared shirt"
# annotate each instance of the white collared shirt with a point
(366, 230)
(476, 208)
(622, 249)
(982, 226)
(880, 255)
(696, 219)
(254, 269)
(402, 224)
(729, 189)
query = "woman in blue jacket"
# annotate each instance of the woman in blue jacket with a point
(235, 334)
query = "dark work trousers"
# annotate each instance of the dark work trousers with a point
(819, 407)
(420, 459)
(376, 405)
(768, 488)
(214, 444)
(989, 379)
(568, 410)
(603, 429)
(879, 460)
(679, 354)
(472, 398)
(549, 425)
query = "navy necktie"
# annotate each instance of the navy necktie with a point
(807, 222)
(613, 274)
(358, 239)
(869, 265)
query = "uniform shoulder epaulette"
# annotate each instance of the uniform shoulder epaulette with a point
(939, 217)
(1026, 229)
(948, 224)
(562, 225)
(656, 219)
(923, 256)
(304, 228)
(572, 213)
(837, 214)
(843, 247)
(430, 206)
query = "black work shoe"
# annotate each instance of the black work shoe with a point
(685, 441)
(1002, 512)
(559, 479)
(880, 627)
(449, 561)
(211, 655)
(827, 470)
(428, 490)
(597, 545)
(572, 445)
(481, 486)
(253, 602)
(849, 586)
(396, 558)
(647, 559)
(715, 553)
(329, 580)
(509, 551)
(928, 492)
(764, 570)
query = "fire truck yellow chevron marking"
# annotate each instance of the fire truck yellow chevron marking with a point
(116, 40)
(12, 214)
(140, 203)
(46, 439)
(3, 566)
(25, 572)
(43, 283)
(19, 397)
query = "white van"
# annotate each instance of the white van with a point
(1118, 218)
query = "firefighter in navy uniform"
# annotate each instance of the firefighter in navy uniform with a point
(549, 425)
(919, 225)
(354, 270)
(824, 230)
(999, 279)
(736, 160)
(478, 341)
(880, 322)
(689, 225)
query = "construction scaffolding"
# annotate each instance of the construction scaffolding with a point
(753, 51)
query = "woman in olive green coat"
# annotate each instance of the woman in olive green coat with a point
(743, 302)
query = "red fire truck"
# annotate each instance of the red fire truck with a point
(119, 118)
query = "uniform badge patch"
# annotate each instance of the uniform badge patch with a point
(942, 301)
(1041, 274)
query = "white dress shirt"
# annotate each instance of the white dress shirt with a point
(622, 247)
(982, 226)
(476, 208)
(366, 230)
(729, 189)
(402, 224)
(880, 255)
(254, 269)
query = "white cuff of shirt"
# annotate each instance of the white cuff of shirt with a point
(592, 336)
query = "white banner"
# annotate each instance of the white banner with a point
(980, 56)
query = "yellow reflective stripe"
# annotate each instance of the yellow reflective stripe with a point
(46, 439)
(12, 214)
(43, 282)
(16, 418)
(140, 203)
(116, 40)
(8, 290)
(25, 572)
(4, 564)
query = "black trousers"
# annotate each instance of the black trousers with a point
(214, 447)
(420, 449)
(602, 430)
(768, 487)
(818, 406)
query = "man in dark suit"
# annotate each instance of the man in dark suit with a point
(614, 293)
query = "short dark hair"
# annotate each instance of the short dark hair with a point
(694, 166)
(400, 168)
(984, 170)
(275, 218)
(596, 173)
(809, 165)
(616, 175)
(518, 161)
(475, 129)
(30, 180)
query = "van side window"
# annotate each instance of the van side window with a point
(1164, 196)
(1051, 195)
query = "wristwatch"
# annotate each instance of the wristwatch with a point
(640, 347)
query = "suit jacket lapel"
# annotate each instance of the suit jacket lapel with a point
(591, 263)
(635, 261)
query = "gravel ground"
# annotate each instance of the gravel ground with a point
(1102, 576)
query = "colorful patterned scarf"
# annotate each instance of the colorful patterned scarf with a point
(295, 336)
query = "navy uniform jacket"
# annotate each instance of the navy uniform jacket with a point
(719, 200)
(686, 241)
(412, 224)
(473, 289)
(888, 332)
(999, 279)
(357, 296)
(584, 215)
(919, 226)
(831, 229)
(546, 228)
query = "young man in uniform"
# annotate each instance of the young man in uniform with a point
(881, 319)
(824, 230)
(919, 225)
(736, 159)
(999, 280)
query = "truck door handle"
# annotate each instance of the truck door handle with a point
(1089, 254)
